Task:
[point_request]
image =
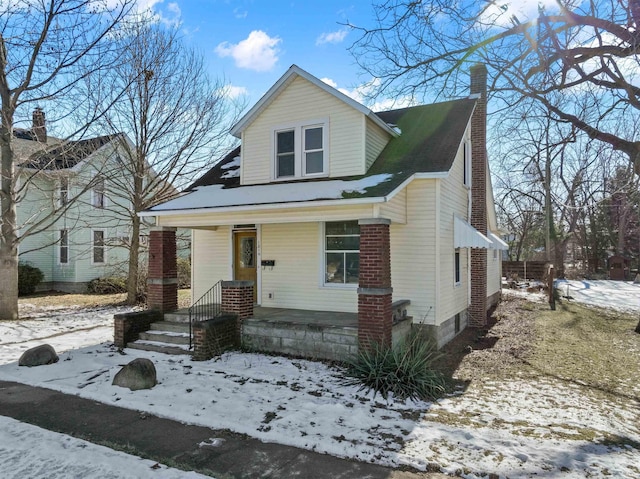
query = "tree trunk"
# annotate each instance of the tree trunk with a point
(8, 228)
(134, 254)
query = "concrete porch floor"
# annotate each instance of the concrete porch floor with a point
(306, 317)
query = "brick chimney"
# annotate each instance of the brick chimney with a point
(478, 89)
(39, 126)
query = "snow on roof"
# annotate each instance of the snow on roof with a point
(216, 196)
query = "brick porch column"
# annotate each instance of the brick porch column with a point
(237, 298)
(375, 319)
(162, 282)
(478, 305)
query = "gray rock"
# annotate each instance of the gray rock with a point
(138, 374)
(38, 356)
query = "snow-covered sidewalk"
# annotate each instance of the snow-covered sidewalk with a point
(520, 428)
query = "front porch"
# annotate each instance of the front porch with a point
(312, 334)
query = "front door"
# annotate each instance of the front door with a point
(244, 258)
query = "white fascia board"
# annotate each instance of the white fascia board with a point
(284, 80)
(268, 206)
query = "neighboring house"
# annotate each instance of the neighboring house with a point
(78, 183)
(328, 206)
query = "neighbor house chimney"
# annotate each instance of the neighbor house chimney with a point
(478, 306)
(39, 126)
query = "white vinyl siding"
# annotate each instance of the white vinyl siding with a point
(454, 200)
(295, 280)
(376, 140)
(211, 259)
(396, 209)
(413, 252)
(301, 102)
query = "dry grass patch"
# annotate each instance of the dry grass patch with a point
(589, 346)
(65, 300)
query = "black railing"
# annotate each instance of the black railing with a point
(209, 306)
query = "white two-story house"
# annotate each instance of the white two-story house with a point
(329, 206)
(73, 215)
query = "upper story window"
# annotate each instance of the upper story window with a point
(63, 193)
(300, 151)
(98, 196)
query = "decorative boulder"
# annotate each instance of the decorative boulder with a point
(138, 374)
(38, 356)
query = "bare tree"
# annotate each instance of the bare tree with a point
(46, 49)
(588, 51)
(173, 120)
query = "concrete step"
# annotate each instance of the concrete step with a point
(159, 347)
(165, 337)
(179, 316)
(170, 326)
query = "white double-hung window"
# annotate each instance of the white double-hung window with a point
(301, 150)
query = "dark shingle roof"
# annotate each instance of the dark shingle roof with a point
(219, 174)
(428, 143)
(67, 154)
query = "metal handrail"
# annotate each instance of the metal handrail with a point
(209, 306)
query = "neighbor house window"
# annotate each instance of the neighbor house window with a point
(342, 252)
(98, 246)
(301, 150)
(457, 266)
(64, 246)
(98, 199)
(63, 196)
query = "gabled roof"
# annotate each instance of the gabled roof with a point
(66, 154)
(290, 75)
(430, 139)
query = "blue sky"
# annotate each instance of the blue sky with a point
(251, 43)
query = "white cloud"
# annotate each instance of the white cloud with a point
(503, 13)
(365, 94)
(257, 52)
(232, 92)
(240, 13)
(332, 37)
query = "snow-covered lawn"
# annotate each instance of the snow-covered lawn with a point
(620, 295)
(60, 456)
(520, 427)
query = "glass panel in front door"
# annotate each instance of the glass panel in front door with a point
(247, 253)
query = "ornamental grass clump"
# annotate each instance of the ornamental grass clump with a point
(404, 371)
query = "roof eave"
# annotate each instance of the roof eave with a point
(283, 81)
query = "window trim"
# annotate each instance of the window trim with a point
(323, 259)
(104, 246)
(299, 168)
(62, 246)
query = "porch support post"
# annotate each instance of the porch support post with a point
(375, 318)
(237, 298)
(162, 281)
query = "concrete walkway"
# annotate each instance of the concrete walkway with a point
(230, 456)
